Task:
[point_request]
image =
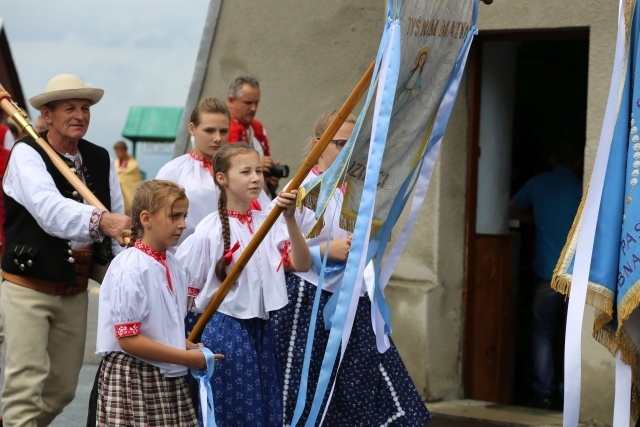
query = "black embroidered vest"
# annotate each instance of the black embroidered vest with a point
(30, 251)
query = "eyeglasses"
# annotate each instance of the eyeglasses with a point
(339, 143)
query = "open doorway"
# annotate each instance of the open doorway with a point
(528, 98)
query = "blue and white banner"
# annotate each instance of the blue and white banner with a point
(600, 264)
(391, 152)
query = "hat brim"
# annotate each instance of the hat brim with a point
(92, 94)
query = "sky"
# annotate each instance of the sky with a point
(141, 52)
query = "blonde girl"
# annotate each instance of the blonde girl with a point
(141, 319)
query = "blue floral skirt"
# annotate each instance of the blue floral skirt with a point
(247, 387)
(372, 389)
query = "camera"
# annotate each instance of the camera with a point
(279, 171)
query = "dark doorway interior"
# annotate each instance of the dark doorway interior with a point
(550, 112)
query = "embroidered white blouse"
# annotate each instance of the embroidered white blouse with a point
(261, 286)
(200, 188)
(306, 220)
(27, 181)
(135, 298)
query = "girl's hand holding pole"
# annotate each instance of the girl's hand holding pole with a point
(287, 201)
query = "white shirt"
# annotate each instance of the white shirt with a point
(306, 220)
(27, 181)
(135, 291)
(255, 141)
(202, 192)
(261, 286)
(9, 140)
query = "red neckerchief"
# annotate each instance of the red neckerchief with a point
(203, 162)
(244, 218)
(315, 169)
(160, 257)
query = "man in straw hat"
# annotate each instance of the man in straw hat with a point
(50, 235)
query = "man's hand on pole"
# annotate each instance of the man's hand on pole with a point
(116, 226)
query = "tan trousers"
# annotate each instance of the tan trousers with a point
(45, 337)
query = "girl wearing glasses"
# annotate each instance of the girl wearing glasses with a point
(370, 388)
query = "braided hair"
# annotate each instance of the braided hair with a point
(151, 196)
(222, 164)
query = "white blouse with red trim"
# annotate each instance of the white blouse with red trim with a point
(261, 287)
(135, 298)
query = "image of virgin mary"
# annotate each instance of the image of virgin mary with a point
(412, 85)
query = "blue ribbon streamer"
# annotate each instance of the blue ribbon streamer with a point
(358, 245)
(320, 265)
(204, 385)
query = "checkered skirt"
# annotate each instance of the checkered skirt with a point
(134, 393)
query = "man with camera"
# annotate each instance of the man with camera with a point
(243, 98)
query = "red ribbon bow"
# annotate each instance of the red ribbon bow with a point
(203, 162)
(285, 255)
(244, 218)
(160, 257)
(228, 253)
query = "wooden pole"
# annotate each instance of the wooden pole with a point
(19, 118)
(297, 180)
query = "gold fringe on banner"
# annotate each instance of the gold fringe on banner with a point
(629, 303)
(613, 341)
(561, 279)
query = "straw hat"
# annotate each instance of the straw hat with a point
(66, 86)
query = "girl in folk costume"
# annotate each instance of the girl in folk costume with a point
(370, 388)
(140, 320)
(209, 130)
(246, 384)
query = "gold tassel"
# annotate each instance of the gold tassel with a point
(317, 229)
(601, 320)
(347, 223)
(302, 192)
(561, 283)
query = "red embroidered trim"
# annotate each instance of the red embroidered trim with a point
(245, 218)
(94, 225)
(203, 162)
(160, 257)
(193, 292)
(285, 259)
(129, 329)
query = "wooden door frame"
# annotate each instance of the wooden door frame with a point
(500, 392)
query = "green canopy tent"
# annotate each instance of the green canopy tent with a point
(152, 124)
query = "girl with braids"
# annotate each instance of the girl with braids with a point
(246, 384)
(371, 388)
(141, 319)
